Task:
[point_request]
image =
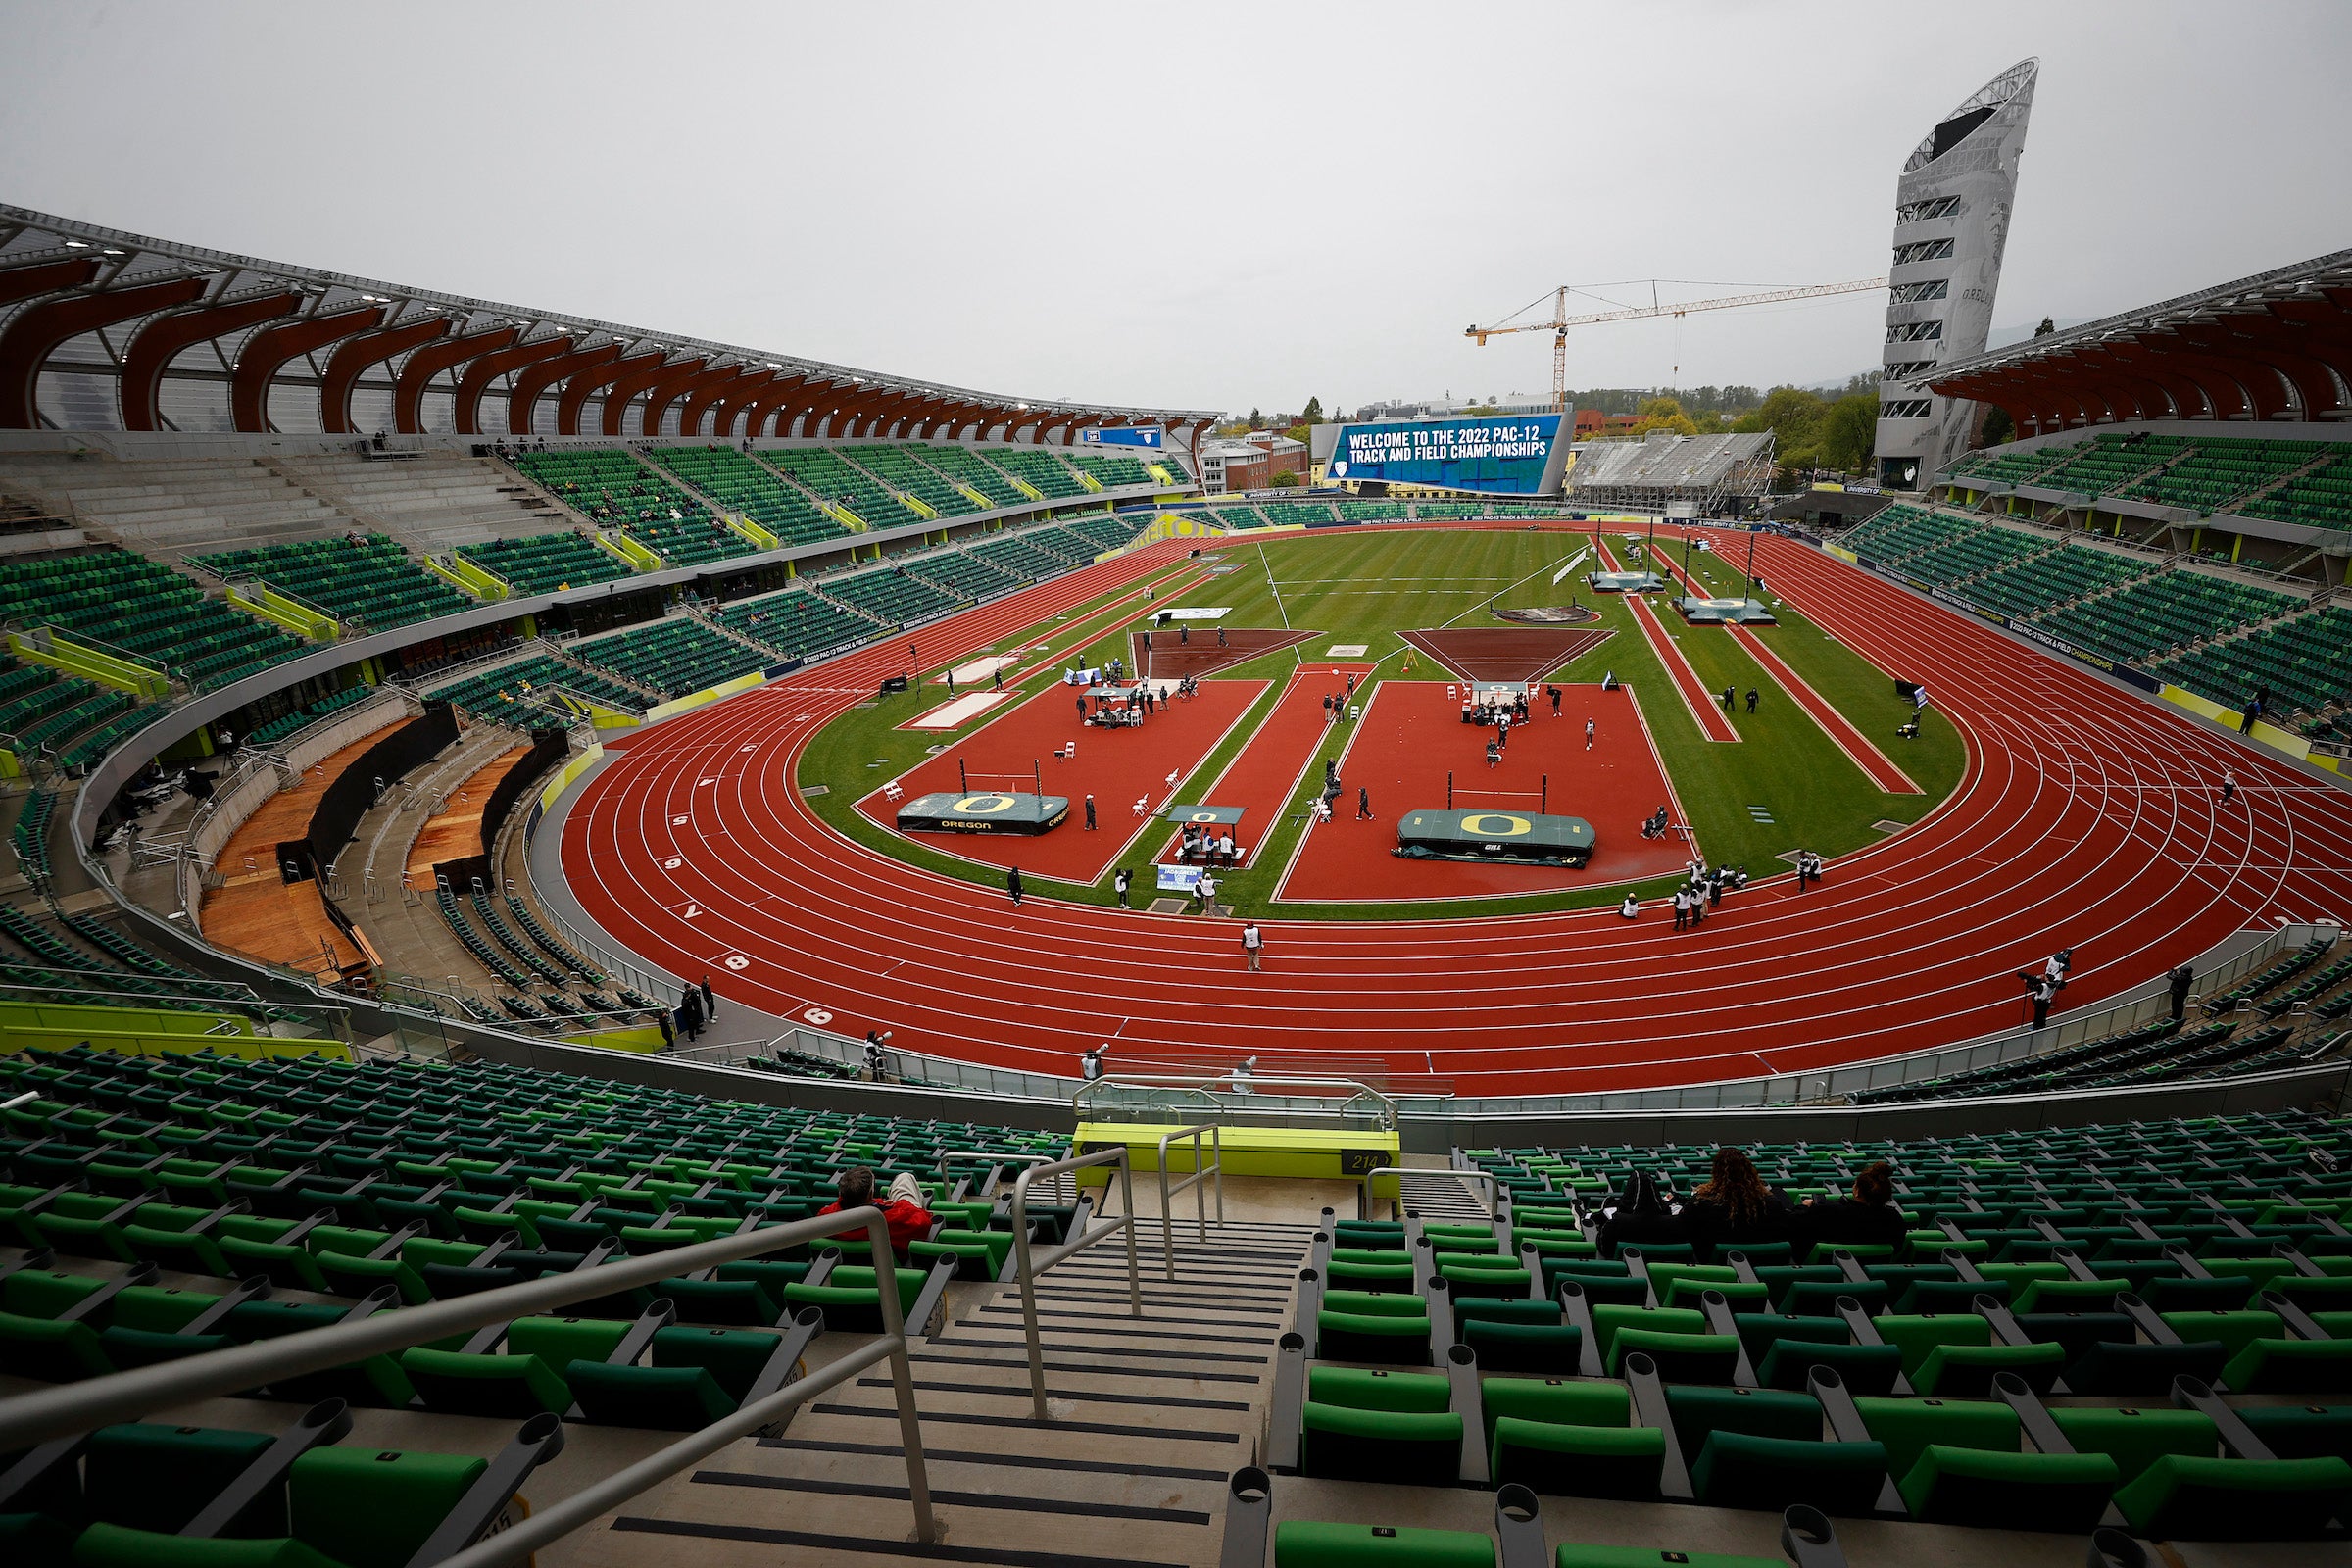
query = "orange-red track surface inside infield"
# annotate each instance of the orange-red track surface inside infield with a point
(2089, 816)
(1413, 733)
(1117, 767)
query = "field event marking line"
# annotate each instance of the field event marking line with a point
(1822, 711)
(1674, 799)
(1491, 598)
(1296, 850)
(1266, 835)
(1674, 665)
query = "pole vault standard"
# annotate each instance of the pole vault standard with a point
(1543, 793)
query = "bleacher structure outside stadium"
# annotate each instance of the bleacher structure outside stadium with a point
(152, 353)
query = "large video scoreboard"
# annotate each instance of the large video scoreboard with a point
(1503, 455)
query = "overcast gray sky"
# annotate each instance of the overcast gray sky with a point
(1198, 206)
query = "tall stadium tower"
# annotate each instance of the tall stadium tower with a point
(1951, 219)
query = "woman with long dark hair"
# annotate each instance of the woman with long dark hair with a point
(1735, 1206)
(1869, 1216)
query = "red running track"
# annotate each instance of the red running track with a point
(2089, 816)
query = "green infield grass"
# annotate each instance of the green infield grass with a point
(1360, 585)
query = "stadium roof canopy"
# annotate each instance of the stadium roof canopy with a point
(2277, 345)
(101, 329)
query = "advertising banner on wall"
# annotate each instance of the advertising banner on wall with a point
(1125, 435)
(1504, 455)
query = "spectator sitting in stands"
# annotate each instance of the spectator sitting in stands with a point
(1870, 1215)
(1642, 1214)
(1735, 1206)
(902, 1207)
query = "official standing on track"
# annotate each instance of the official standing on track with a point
(1120, 881)
(1089, 813)
(2229, 786)
(1012, 885)
(1363, 803)
(1253, 944)
(1554, 692)
(1682, 907)
(1587, 734)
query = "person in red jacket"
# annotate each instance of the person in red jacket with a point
(902, 1206)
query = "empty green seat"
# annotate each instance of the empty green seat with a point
(2290, 1366)
(1299, 1544)
(1380, 1426)
(2014, 1490)
(1564, 1437)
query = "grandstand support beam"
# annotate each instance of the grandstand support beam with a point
(141, 388)
(416, 377)
(888, 410)
(761, 405)
(2259, 340)
(722, 395)
(266, 352)
(809, 405)
(675, 384)
(2131, 369)
(1064, 421)
(1017, 420)
(39, 330)
(353, 359)
(466, 413)
(579, 388)
(531, 382)
(21, 283)
(586, 384)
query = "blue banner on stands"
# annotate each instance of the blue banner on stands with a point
(1124, 435)
(785, 669)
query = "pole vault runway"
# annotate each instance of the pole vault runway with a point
(2088, 817)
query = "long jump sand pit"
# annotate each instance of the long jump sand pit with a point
(1506, 652)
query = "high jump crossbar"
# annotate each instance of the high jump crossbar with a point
(1543, 793)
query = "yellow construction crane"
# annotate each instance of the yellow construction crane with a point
(1561, 321)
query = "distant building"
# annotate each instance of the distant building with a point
(1952, 208)
(1229, 466)
(1592, 423)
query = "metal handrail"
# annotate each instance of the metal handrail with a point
(980, 1157)
(1250, 1085)
(1029, 1265)
(1364, 1194)
(1168, 1195)
(27, 1419)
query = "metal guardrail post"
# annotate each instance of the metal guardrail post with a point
(1168, 1195)
(1029, 1265)
(66, 1409)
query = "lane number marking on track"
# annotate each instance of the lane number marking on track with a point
(692, 910)
(817, 1016)
(739, 961)
(673, 862)
(680, 821)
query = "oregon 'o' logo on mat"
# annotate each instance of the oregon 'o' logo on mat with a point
(1495, 825)
(1201, 816)
(985, 804)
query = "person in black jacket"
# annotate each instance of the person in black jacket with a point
(1642, 1215)
(1870, 1216)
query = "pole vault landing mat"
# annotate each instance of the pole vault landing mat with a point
(1014, 755)
(1412, 735)
(1494, 836)
(1505, 653)
(950, 813)
(1156, 653)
